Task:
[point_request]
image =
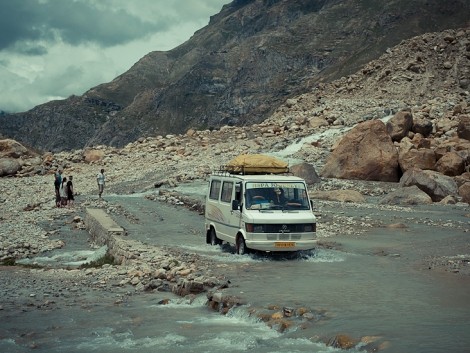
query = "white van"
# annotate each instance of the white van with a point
(259, 212)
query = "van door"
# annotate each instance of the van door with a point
(238, 196)
(227, 195)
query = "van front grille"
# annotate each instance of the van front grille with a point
(284, 228)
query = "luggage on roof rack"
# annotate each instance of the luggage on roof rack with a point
(256, 164)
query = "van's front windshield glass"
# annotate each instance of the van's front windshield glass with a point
(276, 196)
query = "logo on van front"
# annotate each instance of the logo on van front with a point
(285, 229)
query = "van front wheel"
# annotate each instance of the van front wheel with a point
(241, 246)
(213, 238)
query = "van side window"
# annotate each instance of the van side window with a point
(215, 190)
(227, 188)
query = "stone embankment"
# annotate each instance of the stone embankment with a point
(155, 268)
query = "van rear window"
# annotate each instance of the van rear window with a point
(215, 190)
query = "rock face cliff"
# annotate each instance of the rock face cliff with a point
(237, 70)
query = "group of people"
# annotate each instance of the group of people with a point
(64, 193)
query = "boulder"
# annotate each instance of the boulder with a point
(366, 152)
(464, 192)
(417, 158)
(344, 342)
(463, 129)
(12, 149)
(92, 155)
(462, 179)
(317, 122)
(449, 200)
(422, 126)
(408, 195)
(445, 125)
(435, 184)
(9, 166)
(338, 195)
(451, 164)
(399, 125)
(305, 171)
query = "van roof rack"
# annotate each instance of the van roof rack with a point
(244, 170)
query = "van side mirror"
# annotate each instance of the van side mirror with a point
(235, 205)
(311, 204)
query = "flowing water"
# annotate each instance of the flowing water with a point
(358, 292)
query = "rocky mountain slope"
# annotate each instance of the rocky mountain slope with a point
(251, 58)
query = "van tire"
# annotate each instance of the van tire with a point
(213, 240)
(241, 246)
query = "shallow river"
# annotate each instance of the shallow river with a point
(358, 292)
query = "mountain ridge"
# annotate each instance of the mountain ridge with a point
(249, 59)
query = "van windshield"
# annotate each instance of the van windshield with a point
(276, 196)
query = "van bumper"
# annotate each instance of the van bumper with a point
(281, 245)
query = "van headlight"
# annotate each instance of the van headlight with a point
(254, 228)
(310, 227)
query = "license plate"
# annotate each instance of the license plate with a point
(285, 244)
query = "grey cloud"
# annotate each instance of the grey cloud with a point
(73, 22)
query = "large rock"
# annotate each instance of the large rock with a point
(12, 149)
(464, 192)
(435, 184)
(451, 164)
(9, 166)
(463, 129)
(399, 126)
(317, 122)
(365, 153)
(409, 195)
(338, 195)
(92, 155)
(417, 158)
(422, 126)
(305, 171)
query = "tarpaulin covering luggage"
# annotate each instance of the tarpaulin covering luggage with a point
(256, 164)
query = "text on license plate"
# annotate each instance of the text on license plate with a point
(284, 244)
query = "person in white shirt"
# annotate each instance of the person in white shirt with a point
(100, 179)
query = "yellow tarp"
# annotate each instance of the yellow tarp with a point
(256, 164)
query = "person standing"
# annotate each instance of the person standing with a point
(63, 192)
(69, 188)
(100, 179)
(57, 183)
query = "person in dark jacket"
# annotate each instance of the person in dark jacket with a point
(70, 193)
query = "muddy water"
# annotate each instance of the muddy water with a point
(374, 284)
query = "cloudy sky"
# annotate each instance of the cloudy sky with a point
(51, 49)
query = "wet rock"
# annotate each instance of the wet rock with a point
(343, 342)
